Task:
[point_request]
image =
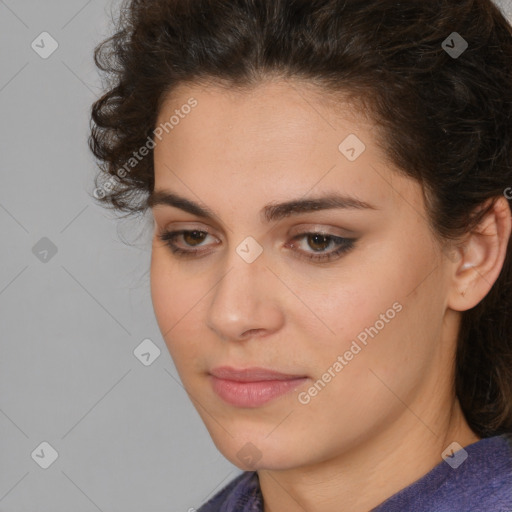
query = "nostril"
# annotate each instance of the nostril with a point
(252, 333)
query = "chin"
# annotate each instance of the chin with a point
(257, 451)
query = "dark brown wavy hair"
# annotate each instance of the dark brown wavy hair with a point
(445, 120)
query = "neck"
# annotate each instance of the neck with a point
(370, 471)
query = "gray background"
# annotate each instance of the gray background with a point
(127, 437)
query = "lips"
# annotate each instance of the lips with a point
(254, 374)
(252, 387)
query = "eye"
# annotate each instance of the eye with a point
(192, 238)
(319, 242)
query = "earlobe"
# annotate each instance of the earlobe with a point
(482, 258)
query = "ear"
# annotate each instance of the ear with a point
(481, 258)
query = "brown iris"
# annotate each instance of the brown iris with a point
(318, 240)
(193, 237)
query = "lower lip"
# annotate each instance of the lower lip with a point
(253, 394)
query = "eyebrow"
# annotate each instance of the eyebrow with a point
(271, 212)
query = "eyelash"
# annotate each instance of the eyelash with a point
(344, 245)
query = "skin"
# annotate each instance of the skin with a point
(385, 418)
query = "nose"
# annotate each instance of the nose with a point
(245, 303)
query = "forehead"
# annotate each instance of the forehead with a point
(269, 100)
(279, 138)
(276, 120)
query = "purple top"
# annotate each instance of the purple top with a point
(475, 479)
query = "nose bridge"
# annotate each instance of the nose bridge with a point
(241, 300)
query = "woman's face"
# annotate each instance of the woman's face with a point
(356, 313)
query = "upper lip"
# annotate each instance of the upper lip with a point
(252, 374)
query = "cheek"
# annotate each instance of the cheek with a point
(163, 293)
(173, 296)
(342, 308)
(384, 317)
(342, 303)
(388, 338)
(180, 301)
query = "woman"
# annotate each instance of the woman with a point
(331, 261)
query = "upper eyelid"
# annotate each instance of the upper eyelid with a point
(316, 228)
